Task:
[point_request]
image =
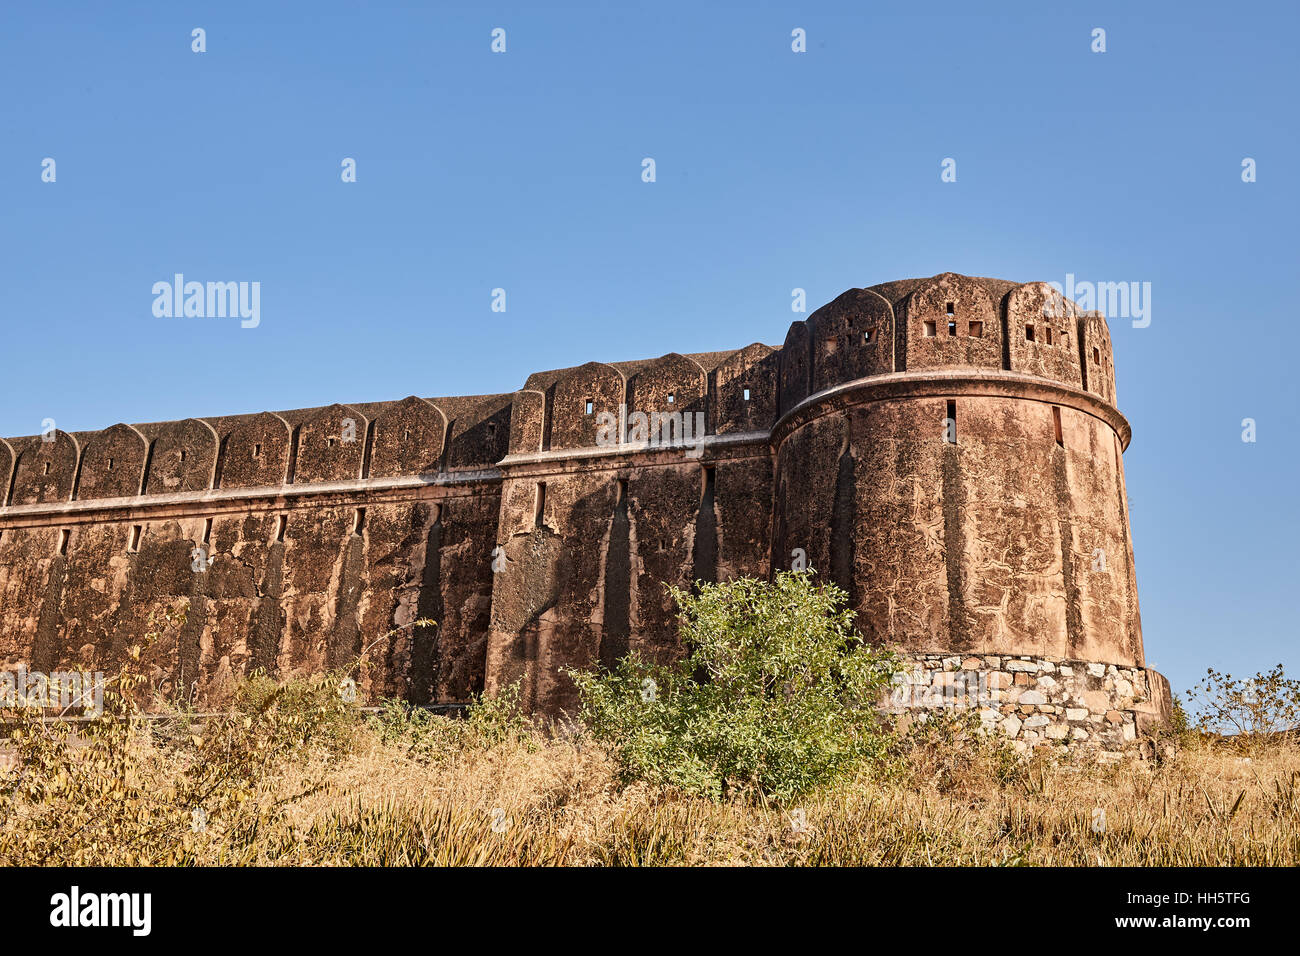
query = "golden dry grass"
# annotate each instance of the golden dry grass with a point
(555, 802)
(528, 798)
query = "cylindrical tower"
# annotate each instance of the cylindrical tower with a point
(948, 450)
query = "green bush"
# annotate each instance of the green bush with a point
(776, 696)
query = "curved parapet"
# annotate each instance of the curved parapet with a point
(1042, 333)
(670, 385)
(578, 401)
(331, 445)
(255, 453)
(949, 321)
(795, 367)
(1098, 362)
(745, 390)
(46, 469)
(852, 337)
(479, 432)
(7, 458)
(184, 458)
(527, 422)
(112, 465)
(408, 439)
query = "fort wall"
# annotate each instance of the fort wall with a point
(947, 450)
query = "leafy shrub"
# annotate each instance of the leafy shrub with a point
(776, 696)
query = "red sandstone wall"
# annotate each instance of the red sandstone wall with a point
(331, 526)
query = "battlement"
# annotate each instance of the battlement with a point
(945, 322)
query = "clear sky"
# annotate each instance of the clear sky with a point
(774, 170)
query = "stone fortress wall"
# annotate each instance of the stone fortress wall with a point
(948, 450)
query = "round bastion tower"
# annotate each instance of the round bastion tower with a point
(948, 451)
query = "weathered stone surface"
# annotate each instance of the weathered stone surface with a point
(909, 442)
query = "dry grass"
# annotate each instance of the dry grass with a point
(533, 799)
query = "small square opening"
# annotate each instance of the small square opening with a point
(950, 310)
(929, 329)
(671, 398)
(977, 328)
(1029, 333)
(869, 337)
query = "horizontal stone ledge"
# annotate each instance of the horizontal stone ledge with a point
(950, 383)
(351, 492)
(711, 447)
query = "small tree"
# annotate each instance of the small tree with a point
(777, 693)
(1267, 703)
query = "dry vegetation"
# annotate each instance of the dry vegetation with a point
(295, 773)
(397, 790)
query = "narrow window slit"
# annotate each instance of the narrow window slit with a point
(65, 536)
(950, 423)
(281, 525)
(133, 545)
(539, 504)
(1029, 333)
(746, 394)
(358, 521)
(207, 530)
(1056, 425)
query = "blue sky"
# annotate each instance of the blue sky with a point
(775, 170)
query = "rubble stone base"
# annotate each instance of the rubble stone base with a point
(1038, 701)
